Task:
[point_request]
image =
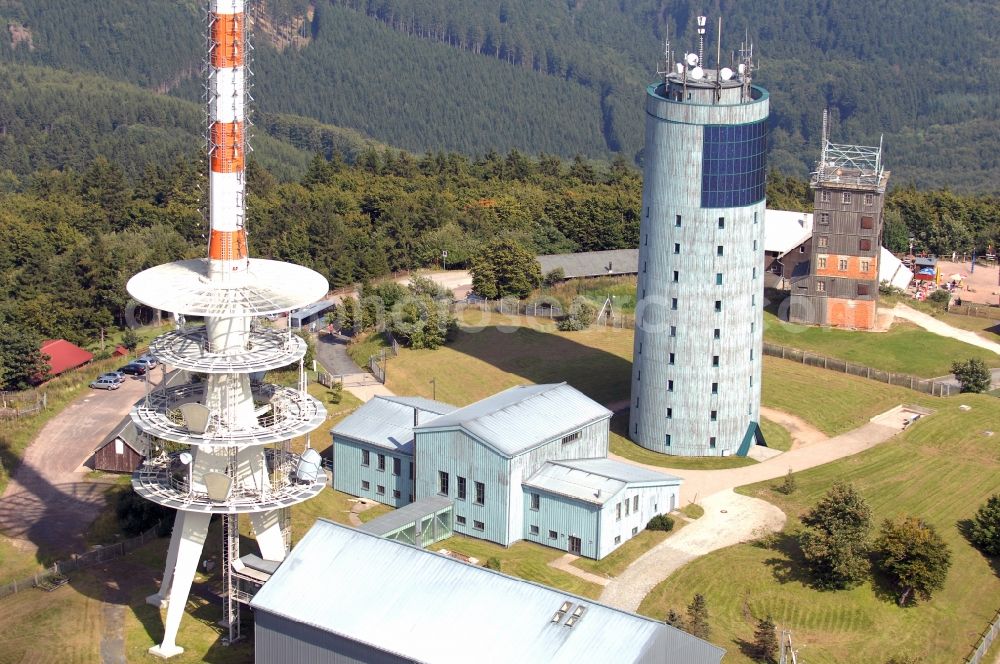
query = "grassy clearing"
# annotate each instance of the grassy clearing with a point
(987, 328)
(831, 401)
(618, 560)
(621, 289)
(941, 469)
(493, 352)
(526, 560)
(905, 348)
(365, 347)
(777, 436)
(624, 447)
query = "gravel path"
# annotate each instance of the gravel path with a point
(565, 563)
(802, 432)
(729, 517)
(932, 324)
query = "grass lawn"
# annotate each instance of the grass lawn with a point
(693, 511)
(777, 436)
(618, 560)
(941, 470)
(526, 560)
(905, 348)
(622, 289)
(494, 352)
(624, 447)
(360, 351)
(832, 402)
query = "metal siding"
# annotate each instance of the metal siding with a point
(458, 454)
(278, 640)
(566, 517)
(652, 501)
(672, 184)
(348, 472)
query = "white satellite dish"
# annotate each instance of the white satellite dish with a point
(742, 68)
(680, 67)
(692, 59)
(697, 73)
(726, 74)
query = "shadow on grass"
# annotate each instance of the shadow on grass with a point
(540, 356)
(790, 565)
(965, 528)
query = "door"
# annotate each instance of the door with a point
(574, 544)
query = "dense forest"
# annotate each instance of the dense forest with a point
(74, 237)
(569, 77)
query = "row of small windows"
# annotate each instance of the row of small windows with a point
(867, 223)
(444, 488)
(864, 243)
(678, 221)
(842, 264)
(860, 289)
(711, 441)
(380, 489)
(397, 463)
(634, 507)
(845, 197)
(478, 525)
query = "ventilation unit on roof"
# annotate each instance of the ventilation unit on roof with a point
(577, 614)
(561, 613)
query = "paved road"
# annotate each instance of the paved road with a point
(729, 517)
(49, 502)
(331, 352)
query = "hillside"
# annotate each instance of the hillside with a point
(568, 77)
(54, 119)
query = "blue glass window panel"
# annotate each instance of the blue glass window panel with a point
(733, 165)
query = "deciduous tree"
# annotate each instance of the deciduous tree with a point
(973, 375)
(914, 556)
(835, 543)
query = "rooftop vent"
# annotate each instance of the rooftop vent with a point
(561, 613)
(577, 614)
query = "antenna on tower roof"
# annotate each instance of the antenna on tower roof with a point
(701, 38)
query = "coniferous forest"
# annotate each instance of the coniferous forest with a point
(568, 77)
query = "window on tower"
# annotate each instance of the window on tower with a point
(865, 244)
(677, 221)
(824, 218)
(869, 199)
(722, 222)
(677, 248)
(822, 241)
(842, 265)
(846, 197)
(718, 250)
(821, 260)
(868, 223)
(677, 276)
(718, 278)
(718, 305)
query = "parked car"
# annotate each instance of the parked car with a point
(146, 361)
(105, 383)
(133, 370)
(114, 375)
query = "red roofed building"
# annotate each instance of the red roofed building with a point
(64, 356)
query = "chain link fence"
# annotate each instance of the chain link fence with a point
(987, 639)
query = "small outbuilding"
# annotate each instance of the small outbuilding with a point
(119, 453)
(64, 356)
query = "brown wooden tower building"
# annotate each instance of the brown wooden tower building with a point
(840, 287)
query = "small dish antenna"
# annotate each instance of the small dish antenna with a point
(742, 68)
(691, 59)
(697, 73)
(680, 67)
(726, 74)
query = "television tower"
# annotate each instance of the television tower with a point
(221, 443)
(697, 368)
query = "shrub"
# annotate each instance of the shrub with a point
(493, 563)
(940, 297)
(582, 314)
(788, 485)
(661, 522)
(336, 393)
(554, 277)
(130, 339)
(984, 530)
(973, 375)
(137, 515)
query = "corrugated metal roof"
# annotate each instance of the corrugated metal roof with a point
(592, 263)
(388, 421)
(522, 417)
(437, 610)
(404, 516)
(891, 269)
(784, 230)
(593, 480)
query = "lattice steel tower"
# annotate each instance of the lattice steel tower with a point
(697, 356)
(218, 443)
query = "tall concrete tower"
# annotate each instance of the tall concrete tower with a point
(218, 443)
(697, 356)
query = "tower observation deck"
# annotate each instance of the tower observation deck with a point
(221, 443)
(697, 368)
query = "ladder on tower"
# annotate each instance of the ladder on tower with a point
(230, 554)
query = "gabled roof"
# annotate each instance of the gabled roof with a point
(594, 480)
(388, 421)
(592, 263)
(64, 356)
(518, 419)
(784, 230)
(126, 431)
(429, 608)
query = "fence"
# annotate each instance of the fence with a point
(976, 310)
(11, 407)
(377, 363)
(989, 636)
(511, 307)
(98, 556)
(924, 385)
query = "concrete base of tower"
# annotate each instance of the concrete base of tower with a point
(165, 652)
(157, 600)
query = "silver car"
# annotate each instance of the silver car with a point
(105, 383)
(146, 362)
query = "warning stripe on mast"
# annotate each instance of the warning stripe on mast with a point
(227, 147)
(228, 245)
(227, 40)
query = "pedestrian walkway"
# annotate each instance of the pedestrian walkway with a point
(932, 324)
(565, 563)
(729, 517)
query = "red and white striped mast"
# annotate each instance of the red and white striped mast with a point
(227, 247)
